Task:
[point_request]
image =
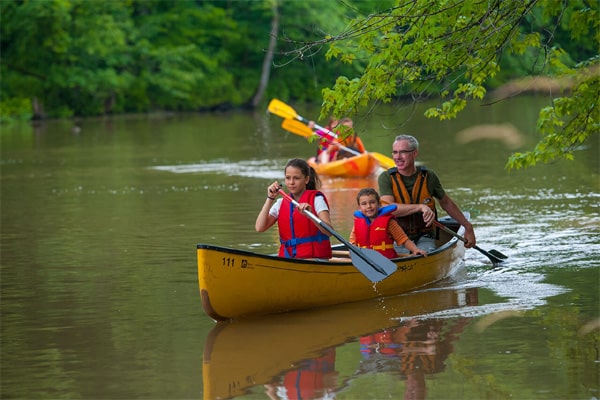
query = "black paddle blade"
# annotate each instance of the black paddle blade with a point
(495, 260)
(497, 254)
(372, 264)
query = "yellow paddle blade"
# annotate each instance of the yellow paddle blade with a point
(278, 107)
(297, 127)
(292, 123)
(384, 161)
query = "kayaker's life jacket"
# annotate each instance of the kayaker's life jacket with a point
(298, 235)
(324, 142)
(374, 234)
(413, 224)
(353, 143)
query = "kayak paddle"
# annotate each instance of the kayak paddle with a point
(494, 255)
(372, 264)
(297, 127)
(283, 110)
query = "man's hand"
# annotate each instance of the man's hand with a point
(470, 236)
(428, 215)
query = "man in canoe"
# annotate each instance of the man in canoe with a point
(299, 236)
(413, 190)
(375, 228)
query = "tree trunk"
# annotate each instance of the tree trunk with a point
(266, 67)
(38, 109)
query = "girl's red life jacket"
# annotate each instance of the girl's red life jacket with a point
(374, 234)
(298, 235)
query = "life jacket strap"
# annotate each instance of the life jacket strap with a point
(294, 242)
(383, 246)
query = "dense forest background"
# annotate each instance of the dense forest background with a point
(64, 58)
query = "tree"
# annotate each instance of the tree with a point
(454, 48)
(266, 66)
(81, 57)
(66, 55)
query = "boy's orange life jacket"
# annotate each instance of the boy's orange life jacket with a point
(298, 235)
(413, 224)
(374, 234)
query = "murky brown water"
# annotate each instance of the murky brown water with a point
(99, 288)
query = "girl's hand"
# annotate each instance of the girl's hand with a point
(303, 207)
(273, 190)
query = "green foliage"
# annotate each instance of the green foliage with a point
(565, 125)
(15, 109)
(301, 70)
(457, 47)
(451, 43)
(80, 57)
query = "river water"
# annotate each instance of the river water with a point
(100, 219)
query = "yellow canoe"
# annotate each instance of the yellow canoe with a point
(238, 283)
(360, 166)
(273, 345)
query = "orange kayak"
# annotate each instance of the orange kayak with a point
(359, 166)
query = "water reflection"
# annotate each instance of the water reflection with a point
(294, 355)
(412, 350)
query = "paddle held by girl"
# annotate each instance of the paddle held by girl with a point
(299, 236)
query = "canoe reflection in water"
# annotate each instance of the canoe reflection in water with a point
(293, 355)
(414, 349)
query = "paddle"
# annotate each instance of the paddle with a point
(299, 128)
(283, 110)
(372, 264)
(494, 255)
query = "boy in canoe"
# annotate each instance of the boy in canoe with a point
(376, 228)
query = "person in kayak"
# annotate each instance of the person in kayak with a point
(375, 227)
(299, 236)
(348, 138)
(325, 139)
(342, 143)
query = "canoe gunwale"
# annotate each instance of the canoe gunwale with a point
(301, 261)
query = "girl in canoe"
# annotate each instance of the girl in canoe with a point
(376, 228)
(299, 236)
